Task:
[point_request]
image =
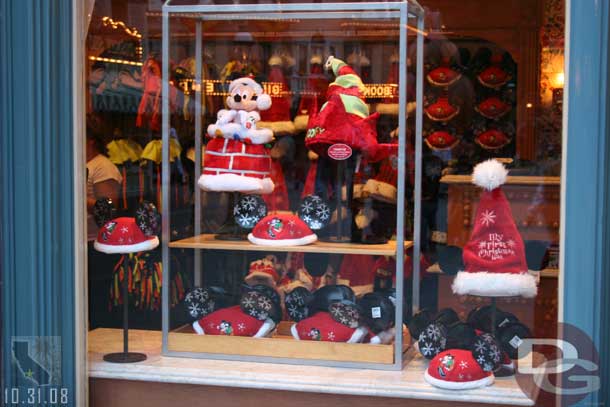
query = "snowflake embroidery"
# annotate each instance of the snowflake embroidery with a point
(488, 367)
(434, 332)
(495, 355)
(249, 203)
(264, 303)
(194, 310)
(427, 349)
(307, 207)
(248, 302)
(331, 336)
(236, 210)
(480, 360)
(291, 223)
(463, 365)
(479, 346)
(488, 218)
(244, 219)
(461, 376)
(141, 212)
(323, 213)
(307, 219)
(124, 229)
(212, 325)
(121, 240)
(241, 327)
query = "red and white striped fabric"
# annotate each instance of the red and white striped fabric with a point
(234, 166)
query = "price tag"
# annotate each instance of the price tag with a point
(339, 152)
(376, 312)
(516, 342)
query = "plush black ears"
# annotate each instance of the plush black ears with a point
(200, 302)
(315, 212)
(148, 219)
(261, 302)
(535, 253)
(377, 311)
(249, 210)
(297, 303)
(103, 211)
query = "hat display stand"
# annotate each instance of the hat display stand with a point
(344, 176)
(230, 230)
(126, 356)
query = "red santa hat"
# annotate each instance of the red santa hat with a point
(282, 229)
(494, 257)
(323, 327)
(344, 118)
(277, 117)
(122, 235)
(233, 321)
(262, 272)
(457, 369)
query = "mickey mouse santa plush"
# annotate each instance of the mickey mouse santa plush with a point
(236, 159)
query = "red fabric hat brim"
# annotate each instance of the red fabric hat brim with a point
(146, 245)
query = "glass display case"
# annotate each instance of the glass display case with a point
(304, 178)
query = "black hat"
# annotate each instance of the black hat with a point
(460, 335)
(511, 336)
(261, 302)
(432, 340)
(296, 303)
(486, 352)
(418, 323)
(200, 302)
(324, 296)
(377, 312)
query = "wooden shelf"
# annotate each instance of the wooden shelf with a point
(282, 345)
(510, 180)
(209, 242)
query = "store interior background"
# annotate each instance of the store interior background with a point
(124, 34)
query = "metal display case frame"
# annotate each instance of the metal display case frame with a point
(397, 10)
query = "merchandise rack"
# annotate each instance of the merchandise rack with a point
(276, 349)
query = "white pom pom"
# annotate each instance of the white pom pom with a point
(263, 102)
(489, 174)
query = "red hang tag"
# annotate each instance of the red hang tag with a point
(339, 152)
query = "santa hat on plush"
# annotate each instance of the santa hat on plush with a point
(383, 186)
(313, 95)
(124, 234)
(277, 117)
(262, 272)
(344, 118)
(457, 369)
(282, 229)
(494, 257)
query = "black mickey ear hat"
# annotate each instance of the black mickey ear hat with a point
(103, 211)
(486, 351)
(460, 335)
(377, 311)
(296, 303)
(339, 301)
(200, 302)
(326, 295)
(148, 218)
(418, 323)
(433, 339)
(510, 337)
(261, 302)
(450, 259)
(315, 212)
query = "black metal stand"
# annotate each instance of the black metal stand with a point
(125, 356)
(344, 173)
(230, 230)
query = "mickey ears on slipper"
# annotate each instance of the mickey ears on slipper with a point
(200, 302)
(296, 303)
(315, 212)
(103, 211)
(148, 219)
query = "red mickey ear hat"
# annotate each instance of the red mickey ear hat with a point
(282, 230)
(494, 257)
(127, 235)
(457, 369)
